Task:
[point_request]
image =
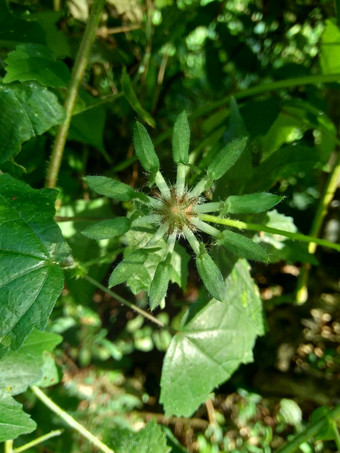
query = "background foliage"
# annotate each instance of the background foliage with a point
(202, 380)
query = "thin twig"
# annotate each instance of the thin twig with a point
(72, 92)
(70, 420)
(38, 440)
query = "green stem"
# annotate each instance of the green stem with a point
(327, 197)
(311, 430)
(70, 420)
(72, 92)
(126, 302)
(271, 86)
(255, 227)
(162, 185)
(38, 440)
(8, 447)
(180, 181)
(336, 434)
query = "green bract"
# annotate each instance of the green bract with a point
(173, 211)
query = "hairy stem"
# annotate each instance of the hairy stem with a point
(70, 420)
(311, 430)
(255, 227)
(72, 92)
(327, 197)
(127, 303)
(38, 440)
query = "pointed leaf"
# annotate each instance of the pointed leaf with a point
(252, 203)
(24, 367)
(160, 283)
(26, 110)
(211, 275)
(181, 139)
(145, 149)
(107, 229)
(226, 158)
(113, 189)
(243, 246)
(128, 267)
(214, 340)
(36, 62)
(13, 420)
(31, 245)
(132, 99)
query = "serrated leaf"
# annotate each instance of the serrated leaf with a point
(160, 283)
(31, 245)
(113, 189)
(181, 139)
(215, 338)
(243, 246)
(35, 62)
(226, 158)
(149, 439)
(132, 99)
(211, 275)
(26, 110)
(13, 420)
(251, 203)
(145, 149)
(107, 229)
(24, 367)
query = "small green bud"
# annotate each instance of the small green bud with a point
(181, 139)
(145, 149)
(211, 275)
(160, 283)
(226, 158)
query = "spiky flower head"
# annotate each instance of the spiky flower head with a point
(174, 211)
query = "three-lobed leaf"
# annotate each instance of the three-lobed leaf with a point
(213, 341)
(31, 248)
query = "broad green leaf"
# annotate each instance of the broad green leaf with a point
(213, 341)
(145, 149)
(330, 48)
(147, 440)
(132, 99)
(14, 30)
(26, 110)
(211, 275)
(107, 229)
(160, 283)
(226, 158)
(252, 203)
(24, 367)
(181, 139)
(328, 430)
(35, 62)
(113, 189)
(243, 246)
(31, 248)
(13, 420)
